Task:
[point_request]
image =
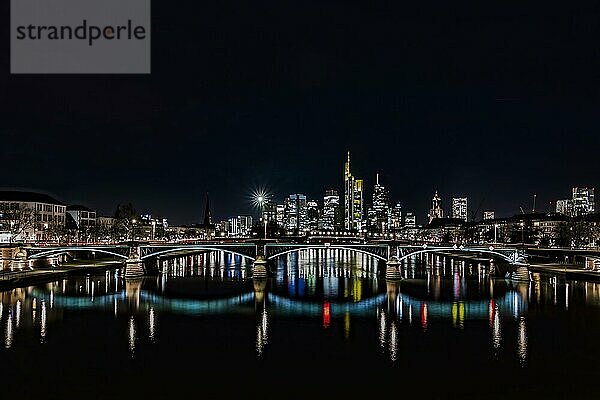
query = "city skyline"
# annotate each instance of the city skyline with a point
(493, 124)
(292, 186)
(246, 207)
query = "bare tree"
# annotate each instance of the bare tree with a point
(56, 231)
(18, 220)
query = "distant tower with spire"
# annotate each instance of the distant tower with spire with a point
(207, 214)
(436, 207)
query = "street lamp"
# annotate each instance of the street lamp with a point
(133, 221)
(260, 200)
(495, 233)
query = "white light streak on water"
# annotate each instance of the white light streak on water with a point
(152, 324)
(43, 320)
(132, 336)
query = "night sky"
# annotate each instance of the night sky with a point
(492, 103)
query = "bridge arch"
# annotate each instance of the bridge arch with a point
(467, 250)
(56, 252)
(286, 250)
(188, 249)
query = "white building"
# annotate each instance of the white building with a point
(564, 207)
(459, 208)
(489, 214)
(410, 221)
(29, 216)
(82, 217)
(245, 224)
(583, 201)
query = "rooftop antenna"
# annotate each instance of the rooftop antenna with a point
(534, 196)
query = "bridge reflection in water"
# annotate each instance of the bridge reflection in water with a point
(436, 293)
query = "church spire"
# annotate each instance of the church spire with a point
(207, 214)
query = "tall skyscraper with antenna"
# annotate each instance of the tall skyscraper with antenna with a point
(353, 199)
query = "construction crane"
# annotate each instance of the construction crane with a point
(474, 214)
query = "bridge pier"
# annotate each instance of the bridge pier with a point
(259, 293)
(259, 269)
(20, 260)
(393, 289)
(134, 267)
(392, 270)
(521, 274)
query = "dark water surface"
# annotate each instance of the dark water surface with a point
(322, 326)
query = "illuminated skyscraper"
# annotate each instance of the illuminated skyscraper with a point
(234, 226)
(245, 224)
(353, 199)
(564, 207)
(459, 208)
(331, 203)
(312, 215)
(583, 201)
(410, 221)
(296, 217)
(270, 210)
(280, 214)
(395, 217)
(436, 207)
(379, 212)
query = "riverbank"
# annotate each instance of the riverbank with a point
(13, 279)
(566, 271)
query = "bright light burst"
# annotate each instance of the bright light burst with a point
(259, 196)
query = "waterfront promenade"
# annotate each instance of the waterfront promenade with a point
(11, 279)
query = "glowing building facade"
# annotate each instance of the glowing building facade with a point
(379, 212)
(459, 208)
(331, 204)
(583, 201)
(436, 207)
(353, 200)
(296, 213)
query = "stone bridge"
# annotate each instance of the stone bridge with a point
(394, 254)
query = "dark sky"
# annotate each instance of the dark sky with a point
(493, 103)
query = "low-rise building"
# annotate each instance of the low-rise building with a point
(80, 217)
(29, 216)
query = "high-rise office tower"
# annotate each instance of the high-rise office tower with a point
(296, 217)
(312, 215)
(331, 203)
(234, 226)
(436, 208)
(583, 201)
(380, 208)
(269, 210)
(353, 199)
(459, 208)
(245, 224)
(410, 221)
(564, 207)
(280, 214)
(395, 219)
